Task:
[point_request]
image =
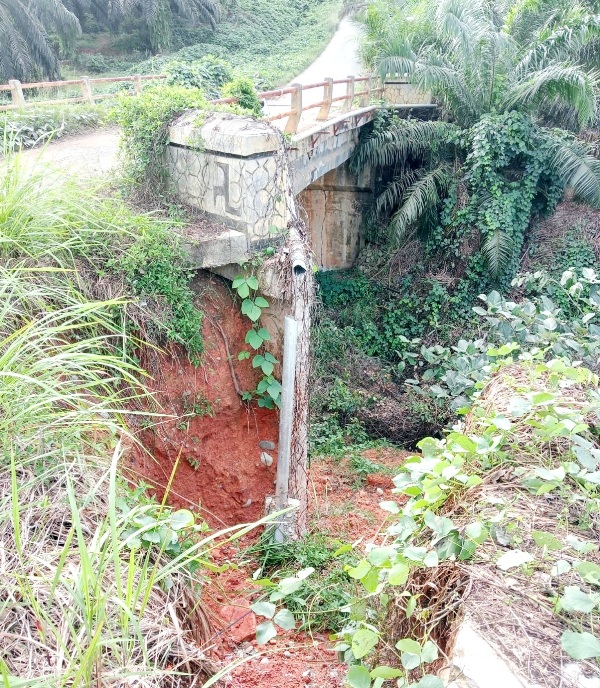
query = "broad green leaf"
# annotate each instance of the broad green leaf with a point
(386, 672)
(379, 556)
(264, 609)
(398, 574)
(589, 571)
(439, 524)
(264, 334)
(371, 580)
(477, 532)
(429, 652)
(576, 600)
(261, 302)
(285, 619)
(243, 290)
(431, 559)
(410, 660)
(252, 282)
(513, 558)
(390, 506)
(580, 645)
(264, 632)
(363, 641)
(409, 645)
(342, 550)
(561, 566)
(182, 518)
(289, 585)
(411, 606)
(358, 677)
(253, 338)
(360, 570)
(547, 540)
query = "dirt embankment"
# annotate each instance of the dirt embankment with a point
(209, 446)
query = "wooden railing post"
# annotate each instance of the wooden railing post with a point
(137, 83)
(16, 92)
(349, 94)
(327, 98)
(367, 94)
(86, 89)
(294, 119)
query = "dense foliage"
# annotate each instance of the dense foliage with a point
(494, 160)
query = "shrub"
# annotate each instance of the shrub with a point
(208, 73)
(145, 121)
(245, 92)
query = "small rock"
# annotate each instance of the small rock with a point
(240, 619)
(266, 459)
(379, 491)
(307, 676)
(264, 660)
(266, 444)
(333, 674)
(247, 504)
(272, 641)
(287, 654)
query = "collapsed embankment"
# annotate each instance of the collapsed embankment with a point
(208, 448)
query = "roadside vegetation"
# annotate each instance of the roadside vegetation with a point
(467, 332)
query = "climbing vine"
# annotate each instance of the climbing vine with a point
(268, 389)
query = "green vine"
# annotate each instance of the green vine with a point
(268, 389)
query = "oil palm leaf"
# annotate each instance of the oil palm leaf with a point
(571, 84)
(422, 196)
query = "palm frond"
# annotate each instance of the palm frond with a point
(577, 167)
(571, 84)
(423, 195)
(497, 250)
(402, 140)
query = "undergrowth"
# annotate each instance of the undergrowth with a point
(37, 125)
(99, 583)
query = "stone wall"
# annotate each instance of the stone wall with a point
(400, 92)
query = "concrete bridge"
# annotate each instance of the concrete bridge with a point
(251, 177)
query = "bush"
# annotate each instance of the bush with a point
(145, 121)
(208, 73)
(244, 91)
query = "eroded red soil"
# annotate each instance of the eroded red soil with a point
(338, 507)
(210, 445)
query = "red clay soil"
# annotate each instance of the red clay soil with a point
(339, 508)
(211, 436)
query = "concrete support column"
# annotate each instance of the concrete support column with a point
(335, 206)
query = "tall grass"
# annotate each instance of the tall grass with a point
(93, 591)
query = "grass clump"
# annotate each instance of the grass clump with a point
(37, 125)
(318, 604)
(92, 590)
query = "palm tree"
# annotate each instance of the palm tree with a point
(157, 14)
(26, 51)
(491, 80)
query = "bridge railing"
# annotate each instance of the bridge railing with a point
(293, 114)
(83, 83)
